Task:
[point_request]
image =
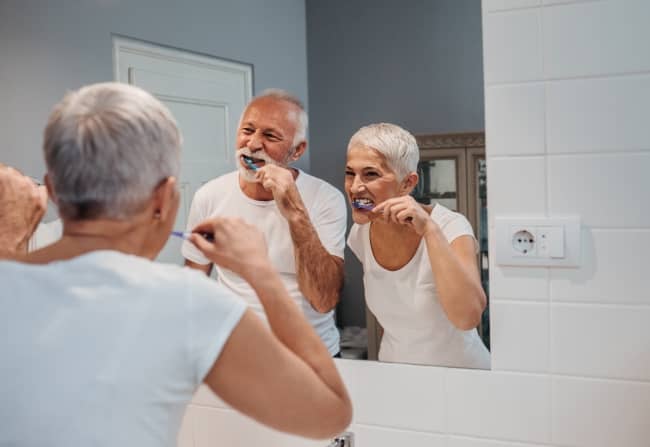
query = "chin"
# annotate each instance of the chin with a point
(360, 217)
(247, 175)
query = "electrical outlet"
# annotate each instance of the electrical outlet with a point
(523, 241)
(538, 241)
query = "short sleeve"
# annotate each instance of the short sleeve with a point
(214, 313)
(330, 220)
(197, 215)
(454, 225)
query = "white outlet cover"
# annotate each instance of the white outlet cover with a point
(568, 243)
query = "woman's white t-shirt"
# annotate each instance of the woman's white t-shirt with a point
(405, 302)
(105, 349)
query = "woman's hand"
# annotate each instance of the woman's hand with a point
(405, 210)
(238, 246)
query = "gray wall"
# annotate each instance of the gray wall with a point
(414, 63)
(48, 47)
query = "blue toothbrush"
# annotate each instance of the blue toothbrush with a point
(249, 163)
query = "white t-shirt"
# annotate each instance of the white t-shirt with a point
(416, 328)
(105, 349)
(328, 213)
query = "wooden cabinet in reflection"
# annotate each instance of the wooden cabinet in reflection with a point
(452, 172)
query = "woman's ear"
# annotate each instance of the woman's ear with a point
(166, 199)
(410, 182)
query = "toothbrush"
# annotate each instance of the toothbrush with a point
(361, 206)
(186, 234)
(249, 163)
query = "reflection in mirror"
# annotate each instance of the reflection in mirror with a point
(418, 66)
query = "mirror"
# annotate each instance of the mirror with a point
(417, 65)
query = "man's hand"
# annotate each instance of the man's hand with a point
(22, 205)
(282, 185)
(238, 246)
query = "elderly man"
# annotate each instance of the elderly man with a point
(303, 218)
(22, 204)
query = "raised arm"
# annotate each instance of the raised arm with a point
(320, 274)
(453, 265)
(22, 205)
(284, 378)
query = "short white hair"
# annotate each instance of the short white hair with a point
(283, 95)
(107, 146)
(396, 144)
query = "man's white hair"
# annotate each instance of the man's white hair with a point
(107, 146)
(396, 144)
(302, 119)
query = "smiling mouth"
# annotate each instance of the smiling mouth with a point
(363, 204)
(252, 163)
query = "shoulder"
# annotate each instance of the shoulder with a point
(319, 187)
(451, 223)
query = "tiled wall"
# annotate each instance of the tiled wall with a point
(567, 111)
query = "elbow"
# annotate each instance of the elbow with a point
(472, 318)
(335, 424)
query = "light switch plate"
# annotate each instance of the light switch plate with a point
(548, 241)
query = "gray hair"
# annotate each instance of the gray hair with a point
(396, 144)
(107, 146)
(303, 120)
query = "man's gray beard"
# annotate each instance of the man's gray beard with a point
(248, 175)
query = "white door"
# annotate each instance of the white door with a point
(206, 95)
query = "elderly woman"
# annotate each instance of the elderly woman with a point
(105, 347)
(419, 261)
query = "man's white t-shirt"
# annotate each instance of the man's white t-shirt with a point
(105, 349)
(223, 197)
(405, 302)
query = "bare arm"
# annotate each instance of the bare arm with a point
(453, 265)
(320, 274)
(284, 378)
(457, 278)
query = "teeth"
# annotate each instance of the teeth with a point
(364, 201)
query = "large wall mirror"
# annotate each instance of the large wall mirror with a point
(415, 63)
(419, 65)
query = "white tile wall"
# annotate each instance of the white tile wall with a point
(373, 436)
(588, 115)
(512, 43)
(521, 188)
(519, 336)
(378, 389)
(614, 269)
(517, 126)
(605, 190)
(498, 405)
(601, 341)
(568, 343)
(595, 413)
(596, 38)
(474, 442)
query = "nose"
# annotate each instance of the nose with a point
(357, 185)
(255, 141)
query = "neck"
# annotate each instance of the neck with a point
(80, 237)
